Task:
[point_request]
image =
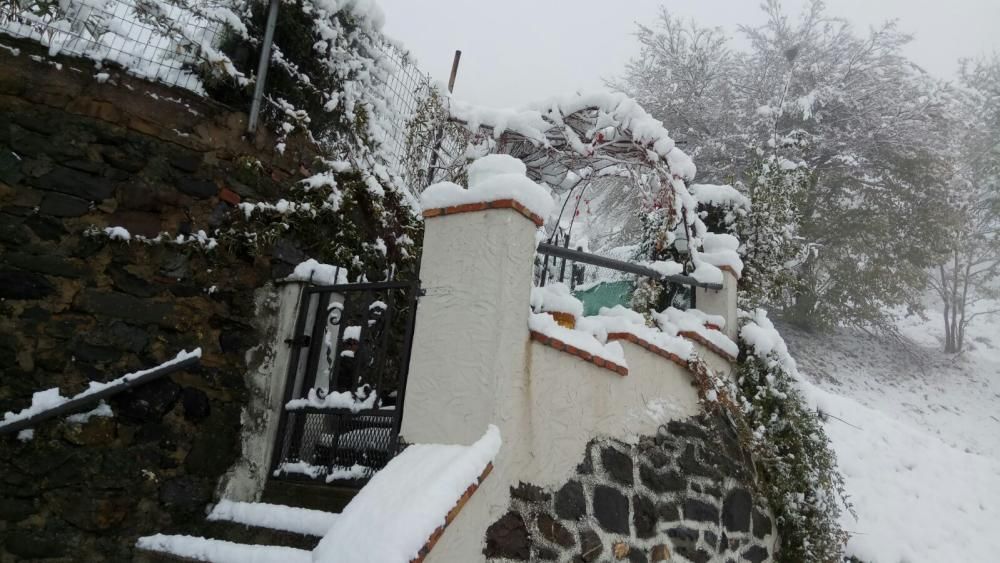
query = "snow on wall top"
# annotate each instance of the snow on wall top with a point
(376, 526)
(491, 178)
(555, 297)
(719, 251)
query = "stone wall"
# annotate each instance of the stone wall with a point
(78, 153)
(677, 496)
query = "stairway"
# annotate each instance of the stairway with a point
(264, 532)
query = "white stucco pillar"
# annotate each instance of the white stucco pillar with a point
(721, 302)
(471, 332)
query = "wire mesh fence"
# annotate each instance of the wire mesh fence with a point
(153, 40)
(172, 41)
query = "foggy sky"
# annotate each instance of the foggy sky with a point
(519, 51)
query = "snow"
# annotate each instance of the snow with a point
(704, 271)
(545, 324)
(706, 319)
(491, 178)
(218, 551)
(42, 401)
(274, 516)
(118, 233)
(720, 250)
(555, 297)
(719, 195)
(914, 431)
(102, 410)
(620, 319)
(376, 526)
(672, 321)
(665, 268)
(315, 272)
(619, 118)
(300, 468)
(157, 48)
(356, 471)
(332, 400)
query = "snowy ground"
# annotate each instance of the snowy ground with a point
(917, 435)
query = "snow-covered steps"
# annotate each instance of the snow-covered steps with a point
(190, 548)
(302, 521)
(233, 529)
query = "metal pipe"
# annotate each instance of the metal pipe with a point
(605, 262)
(439, 137)
(75, 405)
(262, 66)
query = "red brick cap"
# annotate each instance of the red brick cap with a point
(483, 206)
(426, 549)
(629, 337)
(691, 335)
(583, 355)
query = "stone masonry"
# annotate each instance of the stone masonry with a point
(76, 153)
(678, 496)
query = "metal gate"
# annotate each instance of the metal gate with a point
(343, 399)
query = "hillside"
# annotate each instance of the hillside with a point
(917, 435)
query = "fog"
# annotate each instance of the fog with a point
(518, 51)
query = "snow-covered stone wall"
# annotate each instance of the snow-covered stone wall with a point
(481, 357)
(80, 154)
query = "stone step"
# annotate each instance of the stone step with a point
(329, 498)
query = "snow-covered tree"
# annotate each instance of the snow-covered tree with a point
(858, 119)
(967, 278)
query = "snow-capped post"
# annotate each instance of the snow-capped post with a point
(719, 261)
(469, 342)
(721, 302)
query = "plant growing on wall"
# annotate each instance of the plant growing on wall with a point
(796, 467)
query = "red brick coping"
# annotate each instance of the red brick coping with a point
(691, 335)
(730, 270)
(483, 206)
(583, 355)
(628, 336)
(431, 541)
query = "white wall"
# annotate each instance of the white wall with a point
(473, 364)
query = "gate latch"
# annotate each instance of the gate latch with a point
(301, 340)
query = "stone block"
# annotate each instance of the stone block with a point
(61, 205)
(700, 511)
(508, 538)
(618, 465)
(570, 503)
(552, 530)
(590, 546)
(16, 284)
(611, 509)
(736, 511)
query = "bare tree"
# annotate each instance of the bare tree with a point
(966, 279)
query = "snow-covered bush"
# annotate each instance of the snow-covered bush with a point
(795, 464)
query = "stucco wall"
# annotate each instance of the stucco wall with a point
(473, 364)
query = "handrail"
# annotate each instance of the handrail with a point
(95, 397)
(620, 265)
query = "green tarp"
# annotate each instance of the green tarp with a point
(605, 294)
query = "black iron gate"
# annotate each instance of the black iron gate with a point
(343, 399)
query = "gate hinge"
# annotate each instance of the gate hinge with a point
(302, 340)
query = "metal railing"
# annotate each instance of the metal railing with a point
(79, 404)
(568, 265)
